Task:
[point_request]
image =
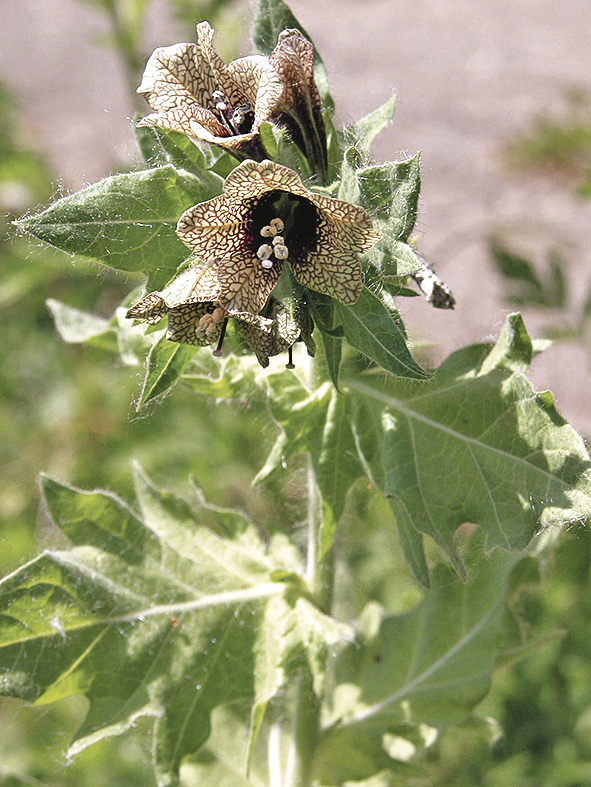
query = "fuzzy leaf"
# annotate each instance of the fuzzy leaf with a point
(316, 423)
(376, 330)
(362, 134)
(154, 614)
(166, 363)
(127, 221)
(474, 444)
(431, 666)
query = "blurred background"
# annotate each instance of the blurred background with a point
(497, 96)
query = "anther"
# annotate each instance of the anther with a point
(268, 264)
(281, 252)
(277, 225)
(267, 231)
(278, 239)
(264, 251)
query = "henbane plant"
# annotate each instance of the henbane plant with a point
(264, 658)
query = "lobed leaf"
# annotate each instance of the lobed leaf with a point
(430, 666)
(376, 330)
(155, 614)
(474, 444)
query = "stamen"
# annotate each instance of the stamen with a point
(218, 350)
(278, 239)
(277, 225)
(268, 264)
(220, 100)
(281, 252)
(267, 231)
(290, 364)
(264, 251)
(239, 115)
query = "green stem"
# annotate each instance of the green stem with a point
(305, 734)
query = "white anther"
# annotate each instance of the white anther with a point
(268, 232)
(281, 252)
(266, 263)
(278, 239)
(264, 252)
(277, 225)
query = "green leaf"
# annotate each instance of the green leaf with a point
(431, 665)
(473, 444)
(155, 614)
(166, 363)
(75, 326)
(161, 146)
(271, 18)
(127, 221)
(317, 423)
(390, 193)
(362, 134)
(376, 330)
(280, 148)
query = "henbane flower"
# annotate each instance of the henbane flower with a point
(196, 316)
(194, 92)
(265, 218)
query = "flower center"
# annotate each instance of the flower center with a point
(238, 120)
(282, 225)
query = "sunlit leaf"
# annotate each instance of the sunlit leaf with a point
(127, 221)
(430, 666)
(154, 614)
(474, 444)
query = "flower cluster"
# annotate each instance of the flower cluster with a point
(267, 238)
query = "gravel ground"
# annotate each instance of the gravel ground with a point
(469, 76)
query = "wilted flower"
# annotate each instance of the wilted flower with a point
(266, 216)
(194, 92)
(196, 316)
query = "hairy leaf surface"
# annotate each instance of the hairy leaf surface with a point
(167, 613)
(127, 221)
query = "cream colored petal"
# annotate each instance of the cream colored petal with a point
(183, 324)
(174, 77)
(213, 228)
(264, 344)
(188, 119)
(244, 284)
(260, 83)
(196, 284)
(330, 269)
(349, 226)
(252, 179)
(150, 309)
(214, 72)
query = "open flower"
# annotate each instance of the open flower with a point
(266, 217)
(196, 316)
(194, 92)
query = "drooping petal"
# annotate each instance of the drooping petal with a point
(349, 226)
(252, 179)
(151, 309)
(244, 284)
(337, 275)
(184, 325)
(188, 119)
